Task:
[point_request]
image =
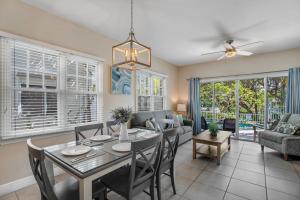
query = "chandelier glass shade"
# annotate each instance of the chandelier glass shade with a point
(131, 54)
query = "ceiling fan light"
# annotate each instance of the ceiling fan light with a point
(230, 53)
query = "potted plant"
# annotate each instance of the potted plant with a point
(213, 129)
(122, 116)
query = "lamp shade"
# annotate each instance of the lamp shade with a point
(181, 107)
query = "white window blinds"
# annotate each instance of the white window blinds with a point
(81, 92)
(44, 90)
(150, 91)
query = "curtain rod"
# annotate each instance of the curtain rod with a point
(229, 76)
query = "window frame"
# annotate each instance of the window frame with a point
(5, 106)
(43, 89)
(151, 95)
(237, 78)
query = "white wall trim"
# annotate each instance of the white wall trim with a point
(22, 182)
(245, 76)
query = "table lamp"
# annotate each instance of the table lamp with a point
(181, 108)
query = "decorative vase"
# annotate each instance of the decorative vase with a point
(123, 136)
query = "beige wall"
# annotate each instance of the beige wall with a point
(242, 65)
(21, 19)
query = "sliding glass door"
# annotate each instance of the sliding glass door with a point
(251, 107)
(207, 101)
(249, 101)
(276, 96)
(224, 101)
(218, 101)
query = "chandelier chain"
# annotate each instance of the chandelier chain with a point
(131, 27)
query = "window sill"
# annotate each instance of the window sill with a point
(38, 136)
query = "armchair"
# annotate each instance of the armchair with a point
(285, 143)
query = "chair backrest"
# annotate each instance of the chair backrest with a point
(151, 160)
(204, 125)
(109, 126)
(40, 166)
(92, 128)
(169, 147)
(229, 125)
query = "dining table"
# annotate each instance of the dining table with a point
(102, 161)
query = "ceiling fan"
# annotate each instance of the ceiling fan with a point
(232, 50)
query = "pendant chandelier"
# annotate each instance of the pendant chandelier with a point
(131, 54)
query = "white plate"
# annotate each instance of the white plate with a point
(150, 135)
(100, 137)
(76, 150)
(122, 147)
(132, 130)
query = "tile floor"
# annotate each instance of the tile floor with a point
(245, 173)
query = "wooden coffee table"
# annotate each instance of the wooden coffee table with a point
(205, 138)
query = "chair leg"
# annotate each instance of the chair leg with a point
(172, 175)
(286, 157)
(43, 198)
(158, 186)
(152, 192)
(262, 147)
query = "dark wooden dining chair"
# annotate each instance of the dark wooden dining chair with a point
(93, 129)
(169, 149)
(131, 180)
(109, 127)
(65, 190)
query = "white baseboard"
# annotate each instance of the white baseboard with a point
(22, 182)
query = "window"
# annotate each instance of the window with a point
(150, 91)
(44, 90)
(81, 98)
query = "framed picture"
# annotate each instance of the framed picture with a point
(121, 81)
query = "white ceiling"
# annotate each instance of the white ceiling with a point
(179, 31)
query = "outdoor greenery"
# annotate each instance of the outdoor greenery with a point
(221, 95)
(252, 96)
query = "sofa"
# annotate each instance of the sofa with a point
(185, 130)
(287, 144)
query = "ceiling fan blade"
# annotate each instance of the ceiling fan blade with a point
(250, 45)
(243, 53)
(227, 45)
(204, 54)
(223, 56)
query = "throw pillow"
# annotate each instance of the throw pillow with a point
(169, 116)
(180, 119)
(153, 121)
(286, 128)
(176, 121)
(297, 132)
(149, 124)
(168, 125)
(294, 119)
(285, 117)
